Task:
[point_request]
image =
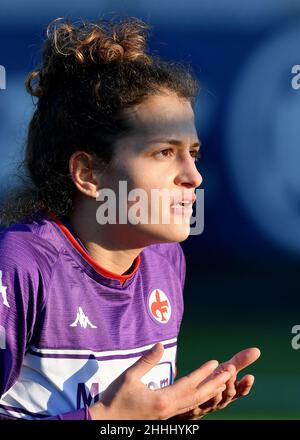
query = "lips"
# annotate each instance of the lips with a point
(184, 201)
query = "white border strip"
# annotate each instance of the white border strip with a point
(99, 353)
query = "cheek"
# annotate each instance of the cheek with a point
(140, 181)
(140, 175)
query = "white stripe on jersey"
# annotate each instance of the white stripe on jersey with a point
(99, 353)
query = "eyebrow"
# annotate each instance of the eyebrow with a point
(176, 142)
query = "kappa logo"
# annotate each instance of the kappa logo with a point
(3, 292)
(159, 306)
(82, 320)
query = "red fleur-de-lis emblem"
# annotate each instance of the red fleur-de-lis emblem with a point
(160, 306)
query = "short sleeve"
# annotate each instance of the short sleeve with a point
(20, 301)
(17, 317)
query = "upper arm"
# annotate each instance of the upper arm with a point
(17, 315)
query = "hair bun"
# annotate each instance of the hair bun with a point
(101, 42)
(70, 46)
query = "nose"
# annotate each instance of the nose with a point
(188, 175)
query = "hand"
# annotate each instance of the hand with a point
(127, 398)
(234, 389)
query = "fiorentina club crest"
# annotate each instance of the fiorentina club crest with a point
(159, 306)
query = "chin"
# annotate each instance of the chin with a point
(179, 234)
(167, 233)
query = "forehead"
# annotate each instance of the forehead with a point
(163, 115)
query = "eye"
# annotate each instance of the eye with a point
(164, 153)
(195, 154)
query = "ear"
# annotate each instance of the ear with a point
(81, 167)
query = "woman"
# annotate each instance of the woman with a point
(85, 295)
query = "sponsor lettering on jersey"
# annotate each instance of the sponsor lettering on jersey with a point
(87, 396)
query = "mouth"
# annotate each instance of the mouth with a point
(185, 207)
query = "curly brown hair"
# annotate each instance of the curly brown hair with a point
(90, 73)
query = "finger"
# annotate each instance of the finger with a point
(229, 392)
(185, 399)
(202, 409)
(225, 366)
(181, 392)
(191, 414)
(244, 358)
(211, 388)
(147, 361)
(212, 404)
(186, 393)
(244, 385)
(195, 414)
(242, 388)
(199, 375)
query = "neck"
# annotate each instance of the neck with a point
(106, 244)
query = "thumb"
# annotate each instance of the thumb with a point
(147, 361)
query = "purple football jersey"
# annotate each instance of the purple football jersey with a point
(68, 327)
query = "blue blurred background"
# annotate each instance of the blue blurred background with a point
(242, 285)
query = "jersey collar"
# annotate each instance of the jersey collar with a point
(87, 257)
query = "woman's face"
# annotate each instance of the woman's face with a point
(159, 154)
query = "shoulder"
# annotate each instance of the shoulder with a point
(168, 255)
(24, 246)
(167, 251)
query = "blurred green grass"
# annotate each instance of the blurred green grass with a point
(276, 391)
